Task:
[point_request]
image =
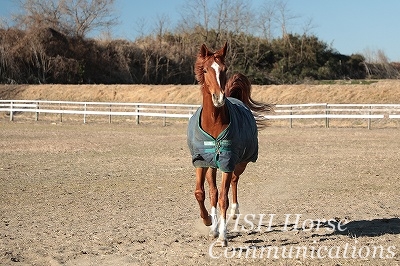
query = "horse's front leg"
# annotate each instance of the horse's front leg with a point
(211, 176)
(200, 195)
(223, 205)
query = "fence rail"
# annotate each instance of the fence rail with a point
(109, 109)
(328, 111)
(283, 111)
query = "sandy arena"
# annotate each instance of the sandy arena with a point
(122, 194)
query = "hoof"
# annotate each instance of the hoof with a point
(208, 221)
(213, 233)
(235, 211)
(222, 243)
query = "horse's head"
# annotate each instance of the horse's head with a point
(210, 72)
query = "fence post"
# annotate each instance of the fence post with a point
(137, 116)
(291, 119)
(326, 116)
(61, 114)
(84, 114)
(165, 117)
(109, 117)
(37, 113)
(369, 118)
(11, 111)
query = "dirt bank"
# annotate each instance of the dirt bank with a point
(383, 91)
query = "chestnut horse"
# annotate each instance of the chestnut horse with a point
(222, 134)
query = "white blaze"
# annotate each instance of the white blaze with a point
(218, 101)
(216, 68)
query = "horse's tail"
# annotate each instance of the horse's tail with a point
(239, 87)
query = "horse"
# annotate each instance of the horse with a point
(222, 134)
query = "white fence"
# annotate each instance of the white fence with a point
(98, 108)
(284, 112)
(327, 112)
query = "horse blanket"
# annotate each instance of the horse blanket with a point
(237, 143)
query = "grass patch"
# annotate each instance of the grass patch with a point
(346, 82)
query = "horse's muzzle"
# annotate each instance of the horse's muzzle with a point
(218, 101)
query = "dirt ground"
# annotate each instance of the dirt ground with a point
(122, 194)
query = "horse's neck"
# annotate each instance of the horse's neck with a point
(213, 120)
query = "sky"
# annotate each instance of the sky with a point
(350, 26)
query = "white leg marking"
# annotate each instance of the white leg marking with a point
(222, 232)
(235, 210)
(214, 225)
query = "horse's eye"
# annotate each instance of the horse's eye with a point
(204, 70)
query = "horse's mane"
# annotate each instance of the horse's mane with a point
(239, 87)
(198, 69)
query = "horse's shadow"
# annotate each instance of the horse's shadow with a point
(370, 228)
(353, 229)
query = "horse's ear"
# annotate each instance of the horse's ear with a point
(204, 51)
(224, 49)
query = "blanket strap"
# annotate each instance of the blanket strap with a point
(216, 147)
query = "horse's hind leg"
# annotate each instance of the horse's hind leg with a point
(239, 169)
(200, 195)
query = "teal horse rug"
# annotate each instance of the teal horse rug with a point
(237, 143)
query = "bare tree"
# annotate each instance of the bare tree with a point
(221, 19)
(72, 17)
(238, 23)
(39, 60)
(40, 14)
(284, 16)
(84, 16)
(266, 17)
(141, 27)
(162, 25)
(239, 16)
(9, 42)
(161, 61)
(308, 26)
(197, 13)
(377, 64)
(387, 70)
